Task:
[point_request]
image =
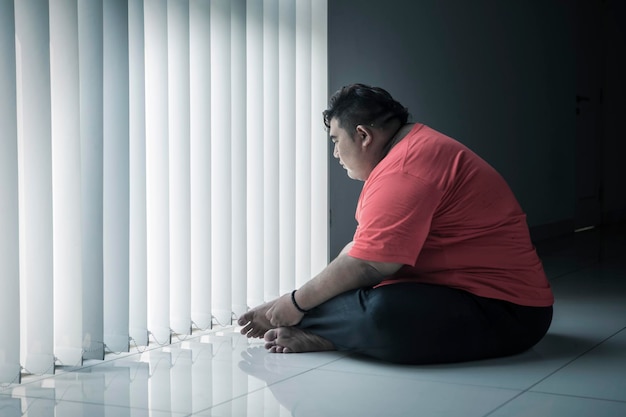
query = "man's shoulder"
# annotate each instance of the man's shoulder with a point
(426, 137)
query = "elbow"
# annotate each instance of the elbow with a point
(375, 272)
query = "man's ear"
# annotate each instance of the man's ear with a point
(364, 133)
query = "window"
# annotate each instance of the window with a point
(162, 168)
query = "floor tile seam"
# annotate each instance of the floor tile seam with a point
(63, 400)
(33, 378)
(580, 355)
(304, 371)
(586, 397)
(7, 391)
(551, 394)
(309, 367)
(286, 378)
(343, 356)
(519, 394)
(237, 397)
(122, 355)
(181, 413)
(71, 369)
(318, 367)
(37, 397)
(566, 364)
(427, 380)
(230, 400)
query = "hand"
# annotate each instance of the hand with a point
(283, 313)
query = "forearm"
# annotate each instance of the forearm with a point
(342, 274)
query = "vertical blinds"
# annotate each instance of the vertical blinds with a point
(162, 168)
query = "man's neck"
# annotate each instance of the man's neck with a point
(398, 134)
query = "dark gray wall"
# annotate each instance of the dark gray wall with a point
(614, 111)
(499, 76)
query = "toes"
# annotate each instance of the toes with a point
(247, 330)
(271, 336)
(270, 344)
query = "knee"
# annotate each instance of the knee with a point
(384, 312)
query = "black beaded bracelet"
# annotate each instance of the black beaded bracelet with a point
(293, 300)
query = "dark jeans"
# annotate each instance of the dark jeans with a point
(420, 324)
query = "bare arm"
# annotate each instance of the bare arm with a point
(342, 274)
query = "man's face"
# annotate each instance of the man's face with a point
(348, 150)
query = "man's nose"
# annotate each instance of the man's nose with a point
(335, 152)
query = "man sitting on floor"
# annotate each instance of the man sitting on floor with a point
(441, 267)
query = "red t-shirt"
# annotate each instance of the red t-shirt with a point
(451, 219)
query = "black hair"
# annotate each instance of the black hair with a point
(357, 104)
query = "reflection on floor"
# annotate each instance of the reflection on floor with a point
(579, 369)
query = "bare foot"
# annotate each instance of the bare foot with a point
(254, 321)
(292, 340)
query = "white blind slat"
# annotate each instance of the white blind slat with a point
(66, 181)
(255, 171)
(271, 216)
(9, 232)
(287, 144)
(35, 184)
(303, 143)
(221, 183)
(200, 147)
(90, 28)
(179, 148)
(138, 264)
(319, 139)
(116, 173)
(238, 154)
(157, 169)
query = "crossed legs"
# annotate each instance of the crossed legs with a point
(408, 323)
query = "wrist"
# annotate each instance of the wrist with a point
(295, 303)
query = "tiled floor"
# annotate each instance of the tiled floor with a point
(578, 370)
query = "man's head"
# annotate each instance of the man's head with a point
(361, 121)
(360, 104)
